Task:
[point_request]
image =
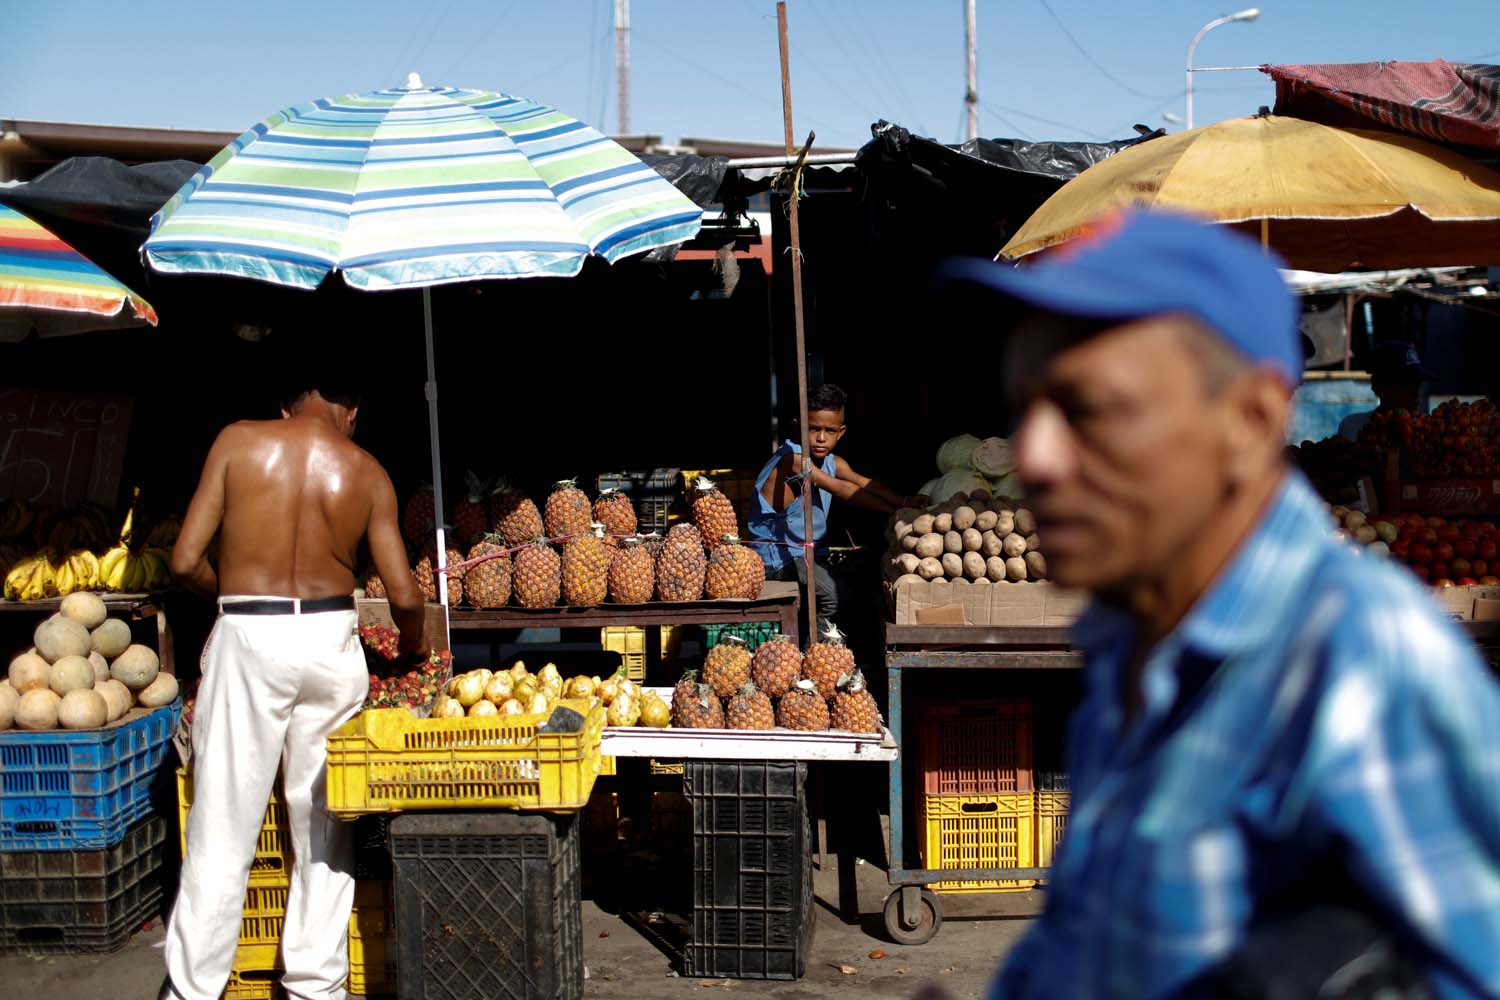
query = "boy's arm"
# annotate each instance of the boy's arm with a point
(874, 487)
(848, 490)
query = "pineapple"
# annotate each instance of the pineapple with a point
(537, 579)
(828, 661)
(420, 516)
(488, 583)
(685, 691)
(613, 509)
(426, 573)
(734, 570)
(727, 666)
(568, 511)
(700, 711)
(713, 513)
(854, 708)
(375, 587)
(803, 709)
(777, 665)
(585, 568)
(514, 516)
(654, 543)
(749, 709)
(471, 514)
(681, 566)
(632, 575)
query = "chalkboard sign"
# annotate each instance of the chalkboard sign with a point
(58, 449)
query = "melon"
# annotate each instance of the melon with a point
(116, 696)
(84, 608)
(37, 709)
(83, 708)
(161, 691)
(28, 672)
(59, 637)
(136, 667)
(100, 665)
(71, 673)
(8, 699)
(111, 638)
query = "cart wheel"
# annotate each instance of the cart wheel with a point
(913, 928)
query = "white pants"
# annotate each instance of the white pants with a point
(274, 687)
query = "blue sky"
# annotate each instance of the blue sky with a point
(1048, 69)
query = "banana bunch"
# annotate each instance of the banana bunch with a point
(78, 570)
(31, 579)
(15, 517)
(82, 527)
(122, 571)
(157, 560)
(164, 534)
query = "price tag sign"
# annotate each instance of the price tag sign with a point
(59, 449)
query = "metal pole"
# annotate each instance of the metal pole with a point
(622, 63)
(801, 356)
(437, 459)
(971, 76)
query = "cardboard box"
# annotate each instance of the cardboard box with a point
(373, 611)
(1470, 603)
(960, 602)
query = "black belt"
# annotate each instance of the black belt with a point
(283, 606)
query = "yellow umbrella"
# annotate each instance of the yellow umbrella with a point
(1326, 199)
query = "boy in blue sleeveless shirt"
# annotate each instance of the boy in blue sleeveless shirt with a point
(780, 491)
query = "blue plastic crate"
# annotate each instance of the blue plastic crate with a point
(65, 791)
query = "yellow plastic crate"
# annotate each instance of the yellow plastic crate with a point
(272, 864)
(262, 985)
(1051, 823)
(372, 965)
(666, 766)
(979, 831)
(259, 948)
(607, 767)
(630, 643)
(387, 760)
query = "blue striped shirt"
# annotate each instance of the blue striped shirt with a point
(1314, 712)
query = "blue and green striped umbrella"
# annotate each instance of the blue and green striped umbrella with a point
(416, 186)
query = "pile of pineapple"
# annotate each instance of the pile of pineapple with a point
(517, 691)
(576, 552)
(820, 691)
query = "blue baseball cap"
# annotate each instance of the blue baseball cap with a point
(1136, 264)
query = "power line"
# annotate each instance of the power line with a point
(431, 34)
(1091, 60)
(871, 59)
(1045, 121)
(1018, 130)
(479, 40)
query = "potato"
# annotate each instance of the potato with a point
(1005, 523)
(985, 521)
(994, 568)
(1015, 568)
(1036, 565)
(973, 540)
(1033, 542)
(953, 565)
(953, 542)
(1013, 545)
(929, 546)
(989, 544)
(964, 518)
(973, 565)
(943, 523)
(1025, 521)
(907, 563)
(906, 515)
(923, 524)
(930, 569)
(909, 543)
(913, 578)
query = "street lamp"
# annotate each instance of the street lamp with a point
(1248, 14)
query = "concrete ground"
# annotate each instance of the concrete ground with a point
(624, 964)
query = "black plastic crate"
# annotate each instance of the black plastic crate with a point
(488, 905)
(81, 901)
(752, 870)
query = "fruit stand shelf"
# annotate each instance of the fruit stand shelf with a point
(137, 607)
(778, 602)
(734, 744)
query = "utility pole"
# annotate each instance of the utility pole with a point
(622, 63)
(971, 62)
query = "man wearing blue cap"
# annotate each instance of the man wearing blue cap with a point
(1273, 726)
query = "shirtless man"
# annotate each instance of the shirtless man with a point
(282, 669)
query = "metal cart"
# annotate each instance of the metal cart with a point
(912, 912)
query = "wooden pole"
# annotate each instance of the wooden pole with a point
(796, 265)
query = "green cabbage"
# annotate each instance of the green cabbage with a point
(992, 459)
(957, 453)
(959, 481)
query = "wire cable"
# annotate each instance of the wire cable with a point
(1091, 60)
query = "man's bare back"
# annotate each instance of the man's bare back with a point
(291, 500)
